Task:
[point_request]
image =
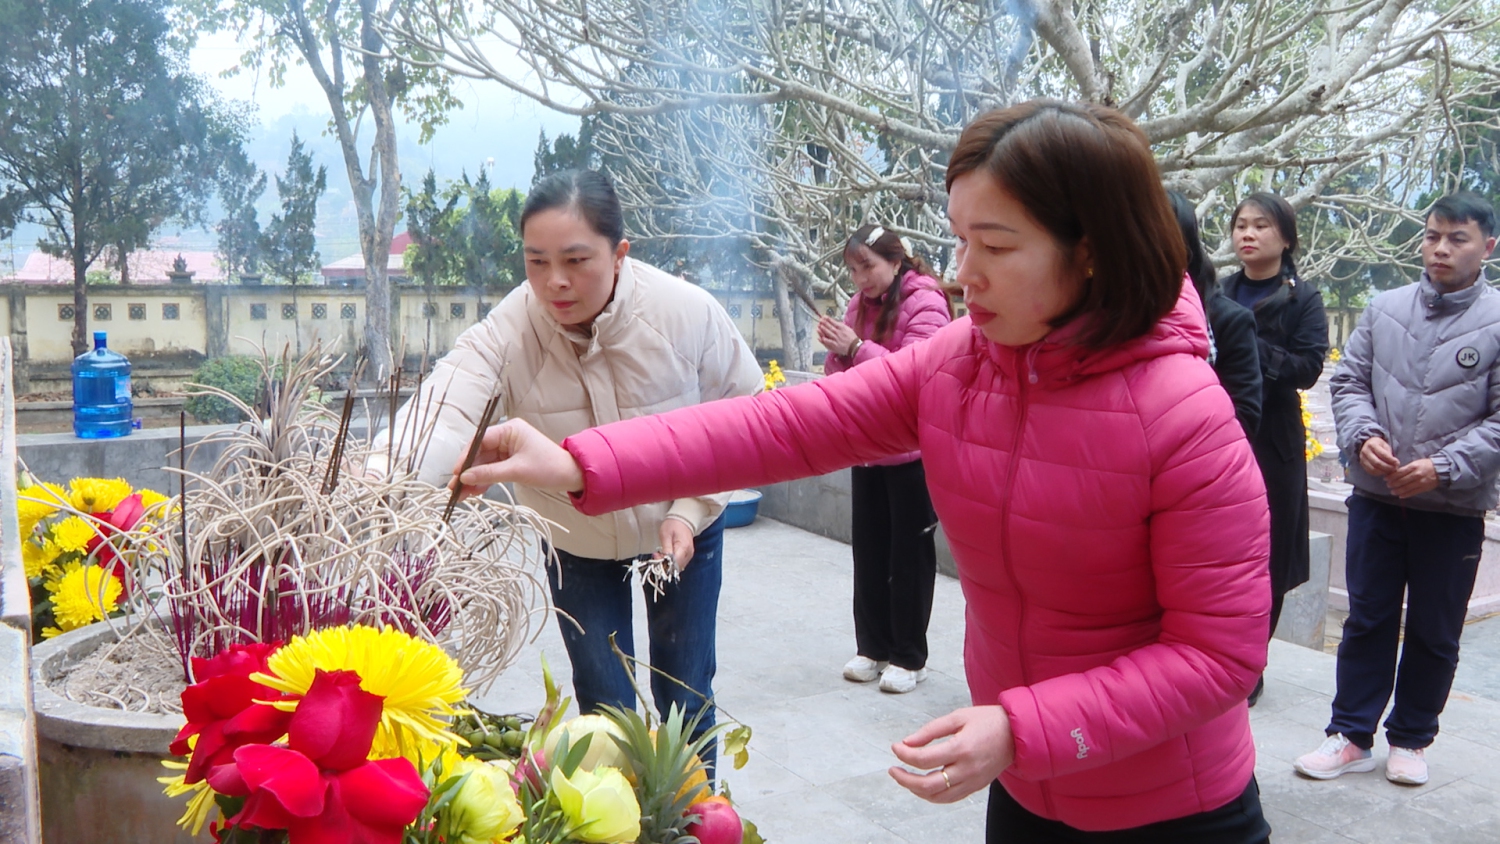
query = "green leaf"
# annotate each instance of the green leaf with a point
(572, 756)
(736, 744)
(752, 835)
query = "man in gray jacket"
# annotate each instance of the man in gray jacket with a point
(1417, 402)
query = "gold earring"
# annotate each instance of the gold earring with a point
(1088, 273)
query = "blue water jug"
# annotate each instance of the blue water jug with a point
(101, 392)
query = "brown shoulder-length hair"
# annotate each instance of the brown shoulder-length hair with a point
(1086, 171)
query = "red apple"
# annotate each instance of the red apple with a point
(718, 822)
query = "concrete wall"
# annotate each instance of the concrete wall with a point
(822, 505)
(212, 320)
(20, 819)
(1331, 515)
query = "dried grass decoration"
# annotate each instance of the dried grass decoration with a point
(285, 535)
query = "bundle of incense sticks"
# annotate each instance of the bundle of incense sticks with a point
(484, 425)
(336, 459)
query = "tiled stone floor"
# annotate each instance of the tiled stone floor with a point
(822, 745)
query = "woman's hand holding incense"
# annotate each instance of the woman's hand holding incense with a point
(515, 452)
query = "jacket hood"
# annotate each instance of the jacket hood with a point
(1057, 358)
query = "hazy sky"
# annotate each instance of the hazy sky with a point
(494, 125)
(495, 128)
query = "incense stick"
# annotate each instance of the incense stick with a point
(182, 489)
(474, 445)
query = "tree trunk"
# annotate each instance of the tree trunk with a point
(377, 242)
(80, 279)
(80, 302)
(789, 351)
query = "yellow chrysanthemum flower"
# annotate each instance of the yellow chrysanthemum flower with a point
(73, 534)
(98, 495)
(421, 684)
(40, 557)
(82, 595)
(199, 806)
(150, 498)
(34, 503)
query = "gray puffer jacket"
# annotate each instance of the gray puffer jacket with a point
(1422, 371)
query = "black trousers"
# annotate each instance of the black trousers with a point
(1432, 559)
(1240, 821)
(895, 562)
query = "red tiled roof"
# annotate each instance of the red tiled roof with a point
(146, 267)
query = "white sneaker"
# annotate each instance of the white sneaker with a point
(899, 681)
(862, 669)
(1406, 766)
(1335, 757)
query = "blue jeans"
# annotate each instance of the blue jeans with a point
(681, 623)
(1431, 558)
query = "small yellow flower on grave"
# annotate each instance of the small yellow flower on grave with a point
(1311, 447)
(599, 805)
(73, 534)
(774, 375)
(485, 809)
(83, 594)
(40, 557)
(98, 495)
(421, 684)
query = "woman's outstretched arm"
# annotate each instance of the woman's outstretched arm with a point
(812, 429)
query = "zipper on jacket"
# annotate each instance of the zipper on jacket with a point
(1027, 361)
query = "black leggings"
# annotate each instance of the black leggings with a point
(895, 563)
(1240, 821)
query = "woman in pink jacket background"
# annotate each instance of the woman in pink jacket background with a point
(897, 302)
(1104, 509)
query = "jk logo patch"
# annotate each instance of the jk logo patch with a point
(1468, 357)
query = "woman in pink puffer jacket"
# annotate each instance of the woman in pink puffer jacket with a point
(1105, 511)
(898, 303)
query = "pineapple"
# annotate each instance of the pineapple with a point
(667, 769)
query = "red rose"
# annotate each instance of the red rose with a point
(124, 517)
(221, 710)
(322, 789)
(335, 721)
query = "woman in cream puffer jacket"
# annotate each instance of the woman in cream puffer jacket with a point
(595, 337)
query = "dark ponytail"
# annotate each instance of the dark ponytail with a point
(588, 193)
(890, 247)
(1199, 267)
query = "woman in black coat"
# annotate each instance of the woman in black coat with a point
(1292, 339)
(1231, 327)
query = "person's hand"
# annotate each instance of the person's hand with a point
(1414, 478)
(515, 452)
(1377, 458)
(979, 747)
(677, 539)
(835, 336)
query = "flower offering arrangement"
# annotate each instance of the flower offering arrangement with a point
(347, 735)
